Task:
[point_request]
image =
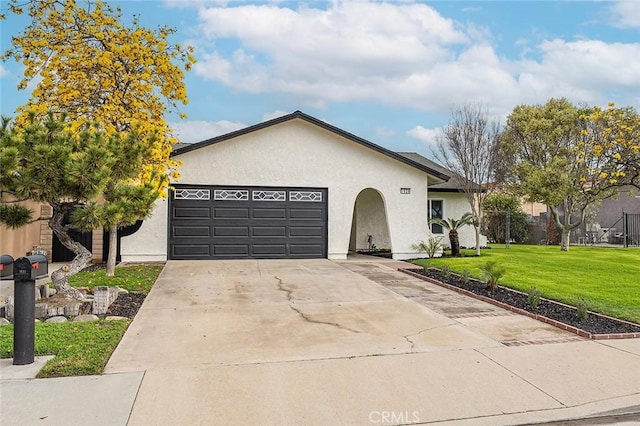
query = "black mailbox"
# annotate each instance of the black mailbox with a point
(31, 268)
(6, 267)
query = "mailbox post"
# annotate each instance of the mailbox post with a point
(25, 311)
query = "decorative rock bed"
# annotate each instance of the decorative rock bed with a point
(51, 308)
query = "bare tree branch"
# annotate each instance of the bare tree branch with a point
(468, 146)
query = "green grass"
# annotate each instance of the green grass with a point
(134, 278)
(83, 348)
(608, 279)
(80, 348)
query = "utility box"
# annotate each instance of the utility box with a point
(6, 267)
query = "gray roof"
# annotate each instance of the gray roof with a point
(434, 172)
(448, 186)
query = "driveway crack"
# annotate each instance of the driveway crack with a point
(411, 342)
(417, 333)
(286, 290)
(307, 318)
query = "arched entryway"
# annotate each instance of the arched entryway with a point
(369, 225)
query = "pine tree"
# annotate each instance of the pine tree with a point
(43, 161)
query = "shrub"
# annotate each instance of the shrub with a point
(493, 273)
(465, 276)
(534, 297)
(446, 271)
(431, 247)
(582, 308)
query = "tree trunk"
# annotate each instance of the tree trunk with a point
(564, 239)
(113, 250)
(566, 227)
(455, 243)
(81, 261)
(477, 229)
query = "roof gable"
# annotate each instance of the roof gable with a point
(449, 186)
(184, 148)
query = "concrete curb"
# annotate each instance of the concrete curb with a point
(541, 318)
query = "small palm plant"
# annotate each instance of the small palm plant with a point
(493, 273)
(431, 247)
(452, 225)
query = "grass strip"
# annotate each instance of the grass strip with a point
(606, 278)
(80, 348)
(83, 348)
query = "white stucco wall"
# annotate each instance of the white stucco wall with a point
(297, 153)
(370, 219)
(455, 205)
(149, 243)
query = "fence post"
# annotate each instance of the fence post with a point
(508, 228)
(625, 241)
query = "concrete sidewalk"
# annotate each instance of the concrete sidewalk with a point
(321, 342)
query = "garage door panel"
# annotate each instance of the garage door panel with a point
(191, 213)
(247, 222)
(191, 250)
(231, 250)
(306, 214)
(191, 231)
(231, 213)
(263, 213)
(306, 231)
(304, 249)
(269, 250)
(231, 231)
(268, 231)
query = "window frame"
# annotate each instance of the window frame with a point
(433, 227)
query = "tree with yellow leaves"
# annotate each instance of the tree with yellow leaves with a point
(99, 72)
(570, 158)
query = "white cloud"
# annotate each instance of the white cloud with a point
(625, 14)
(403, 54)
(587, 70)
(196, 131)
(314, 54)
(4, 72)
(275, 114)
(427, 136)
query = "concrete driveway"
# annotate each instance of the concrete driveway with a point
(321, 342)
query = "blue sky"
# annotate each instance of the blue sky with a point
(389, 72)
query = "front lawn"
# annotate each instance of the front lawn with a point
(138, 278)
(607, 278)
(83, 348)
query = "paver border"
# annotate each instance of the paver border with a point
(542, 318)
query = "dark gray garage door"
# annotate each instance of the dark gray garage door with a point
(234, 222)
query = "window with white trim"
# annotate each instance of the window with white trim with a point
(263, 195)
(191, 194)
(230, 194)
(309, 196)
(436, 211)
